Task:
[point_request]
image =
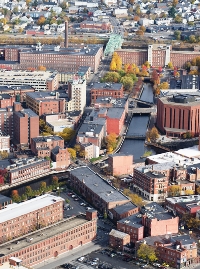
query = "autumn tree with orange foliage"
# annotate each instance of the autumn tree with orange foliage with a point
(42, 68)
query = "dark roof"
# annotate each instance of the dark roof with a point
(107, 86)
(124, 208)
(55, 150)
(115, 112)
(44, 138)
(97, 185)
(4, 199)
(90, 127)
(134, 220)
(26, 111)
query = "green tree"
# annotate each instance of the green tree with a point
(23, 197)
(178, 19)
(28, 191)
(192, 39)
(146, 253)
(43, 186)
(67, 134)
(172, 12)
(177, 34)
(111, 77)
(127, 82)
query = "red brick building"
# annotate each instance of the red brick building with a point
(42, 145)
(120, 164)
(178, 250)
(152, 220)
(115, 118)
(183, 205)
(61, 156)
(118, 239)
(25, 125)
(106, 90)
(158, 55)
(178, 114)
(20, 171)
(95, 190)
(20, 219)
(123, 211)
(45, 103)
(98, 25)
(50, 242)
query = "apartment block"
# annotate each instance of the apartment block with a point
(123, 211)
(25, 126)
(61, 157)
(4, 142)
(118, 239)
(77, 95)
(45, 103)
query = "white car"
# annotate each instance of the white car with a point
(81, 259)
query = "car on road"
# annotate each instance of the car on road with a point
(69, 193)
(81, 259)
(76, 199)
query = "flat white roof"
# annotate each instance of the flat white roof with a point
(16, 210)
(191, 152)
(6, 265)
(176, 157)
(23, 74)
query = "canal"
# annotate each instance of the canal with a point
(147, 93)
(138, 127)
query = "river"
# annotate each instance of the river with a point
(138, 126)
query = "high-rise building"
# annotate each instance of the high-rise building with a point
(77, 95)
(26, 126)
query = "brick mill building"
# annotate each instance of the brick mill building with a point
(105, 90)
(95, 190)
(66, 59)
(120, 164)
(118, 239)
(158, 55)
(178, 114)
(48, 242)
(20, 219)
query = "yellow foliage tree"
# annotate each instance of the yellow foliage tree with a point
(164, 86)
(152, 134)
(111, 141)
(72, 153)
(174, 190)
(42, 68)
(170, 65)
(189, 192)
(147, 253)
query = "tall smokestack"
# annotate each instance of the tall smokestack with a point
(66, 34)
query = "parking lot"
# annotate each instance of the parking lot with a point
(106, 259)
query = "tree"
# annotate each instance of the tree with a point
(155, 77)
(192, 38)
(42, 68)
(72, 153)
(111, 142)
(15, 10)
(198, 190)
(174, 190)
(164, 86)
(172, 12)
(42, 123)
(170, 65)
(188, 192)
(55, 182)
(153, 134)
(67, 134)
(178, 19)
(127, 82)
(174, 3)
(139, 32)
(147, 253)
(147, 64)
(142, 28)
(138, 10)
(43, 186)
(4, 154)
(177, 34)
(136, 18)
(28, 2)
(28, 191)
(15, 196)
(111, 77)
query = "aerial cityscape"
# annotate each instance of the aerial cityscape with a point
(99, 134)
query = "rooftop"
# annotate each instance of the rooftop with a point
(134, 220)
(42, 234)
(185, 82)
(115, 112)
(191, 152)
(24, 112)
(96, 184)
(117, 234)
(4, 199)
(39, 139)
(124, 208)
(184, 199)
(25, 75)
(182, 100)
(107, 86)
(16, 210)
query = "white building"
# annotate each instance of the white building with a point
(120, 11)
(77, 95)
(110, 2)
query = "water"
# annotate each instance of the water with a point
(138, 125)
(137, 148)
(147, 94)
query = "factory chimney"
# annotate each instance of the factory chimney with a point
(66, 34)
